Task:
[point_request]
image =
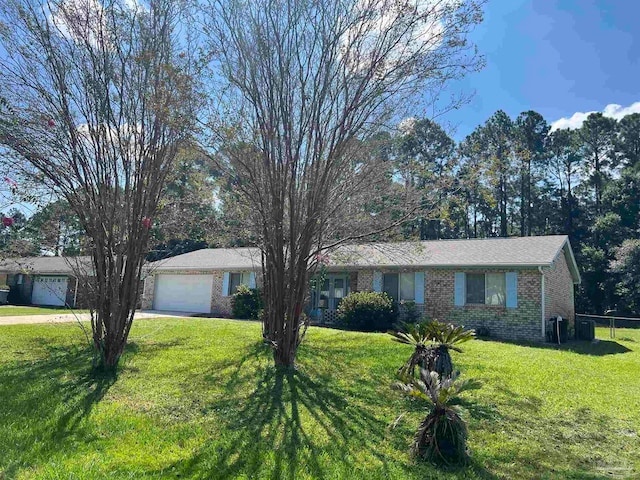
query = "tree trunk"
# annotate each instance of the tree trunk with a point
(475, 223)
(569, 212)
(467, 229)
(285, 291)
(503, 207)
(597, 182)
(438, 359)
(523, 203)
(529, 200)
(285, 356)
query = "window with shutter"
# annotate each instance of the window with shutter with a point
(485, 289)
(400, 286)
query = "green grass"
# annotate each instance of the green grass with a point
(11, 311)
(198, 398)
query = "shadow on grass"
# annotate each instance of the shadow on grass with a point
(598, 348)
(291, 423)
(44, 402)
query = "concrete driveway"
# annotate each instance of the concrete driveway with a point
(70, 317)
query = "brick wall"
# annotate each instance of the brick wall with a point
(220, 305)
(523, 323)
(365, 281)
(559, 290)
(520, 324)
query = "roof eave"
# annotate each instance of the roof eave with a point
(573, 265)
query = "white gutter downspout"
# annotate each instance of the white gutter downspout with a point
(542, 306)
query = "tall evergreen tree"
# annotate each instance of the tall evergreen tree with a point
(425, 154)
(564, 164)
(628, 140)
(530, 131)
(597, 137)
(498, 143)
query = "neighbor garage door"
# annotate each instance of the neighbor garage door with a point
(49, 290)
(183, 293)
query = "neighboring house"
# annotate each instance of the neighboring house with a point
(49, 281)
(512, 286)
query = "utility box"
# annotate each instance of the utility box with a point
(557, 326)
(585, 330)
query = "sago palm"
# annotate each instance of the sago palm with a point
(416, 335)
(432, 342)
(442, 435)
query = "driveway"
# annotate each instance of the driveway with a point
(69, 317)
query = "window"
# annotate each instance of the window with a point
(400, 286)
(237, 279)
(475, 288)
(485, 288)
(20, 279)
(496, 289)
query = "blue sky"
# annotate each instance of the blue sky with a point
(557, 57)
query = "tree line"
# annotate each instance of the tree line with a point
(509, 177)
(520, 177)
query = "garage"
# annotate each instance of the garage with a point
(49, 290)
(183, 293)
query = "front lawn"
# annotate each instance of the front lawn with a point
(198, 398)
(17, 311)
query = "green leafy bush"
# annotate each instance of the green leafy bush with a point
(246, 303)
(367, 311)
(410, 311)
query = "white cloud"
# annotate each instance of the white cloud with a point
(80, 19)
(400, 28)
(612, 110)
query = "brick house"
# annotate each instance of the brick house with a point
(50, 281)
(511, 286)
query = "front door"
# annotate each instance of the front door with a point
(329, 291)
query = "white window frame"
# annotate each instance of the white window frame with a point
(484, 303)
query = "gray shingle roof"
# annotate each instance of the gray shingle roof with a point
(212, 259)
(491, 252)
(524, 251)
(43, 265)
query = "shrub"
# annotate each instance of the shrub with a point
(367, 311)
(410, 312)
(246, 303)
(442, 435)
(431, 342)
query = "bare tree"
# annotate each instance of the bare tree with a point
(310, 82)
(96, 101)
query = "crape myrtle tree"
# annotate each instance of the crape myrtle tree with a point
(97, 101)
(310, 83)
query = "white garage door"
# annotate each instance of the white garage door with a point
(183, 293)
(49, 290)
